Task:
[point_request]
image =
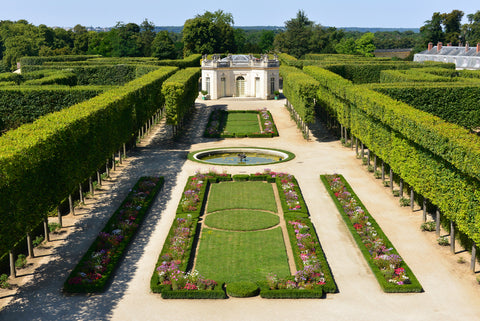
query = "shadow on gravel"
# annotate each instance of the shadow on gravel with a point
(42, 297)
(320, 133)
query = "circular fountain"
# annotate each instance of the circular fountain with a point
(243, 156)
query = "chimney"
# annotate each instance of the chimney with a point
(478, 47)
(467, 47)
(439, 46)
(430, 46)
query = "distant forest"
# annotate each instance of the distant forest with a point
(214, 32)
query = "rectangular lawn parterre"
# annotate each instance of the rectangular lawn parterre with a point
(242, 123)
(241, 256)
(241, 195)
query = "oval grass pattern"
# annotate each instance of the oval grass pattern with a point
(241, 220)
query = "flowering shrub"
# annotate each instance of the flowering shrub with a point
(384, 257)
(91, 274)
(265, 119)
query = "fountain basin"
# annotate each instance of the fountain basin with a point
(241, 156)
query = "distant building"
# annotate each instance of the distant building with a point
(240, 76)
(389, 53)
(463, 57)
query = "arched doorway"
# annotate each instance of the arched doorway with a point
(240, 83)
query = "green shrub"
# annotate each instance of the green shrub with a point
(267, 293)
(242, 289)
(21, 261)
(428, 226)
(241, 177)
(37, 241)
(443, 241)
(4, 284)
(54, 227)
(404, 201)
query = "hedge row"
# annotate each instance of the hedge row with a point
(20, 105)
(43, 162)
(300, 89)
(180, 92)
(30, 60)
(392, 76)
(361, 73)
(190, 61)
(99, 263)
(448, 141)
(414, 285)
(454, 103)
(97, 74)
(417, 146)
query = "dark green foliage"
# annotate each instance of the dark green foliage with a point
(119, 250)
(28, 61)
(242, 289)
(217, 293)
(386, 286)
(43, 162)
(300, 89)
(241, 177)
(180, 92)
(20, 105)
(454, 103)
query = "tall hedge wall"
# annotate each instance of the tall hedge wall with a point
(42, 162)
(455, 103)
(300, 89)
(438, 159)
(20, 105)
(180, 92)
(370, 72)
(30, 60)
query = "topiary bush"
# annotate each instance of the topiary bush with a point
(244, 289)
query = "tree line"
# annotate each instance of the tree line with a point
(214, 32)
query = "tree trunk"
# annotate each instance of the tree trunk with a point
(107, 170)
(11, 256)
(412, 199)
(368, 157)
(30, 246)
(59, 214)
(124, 151)
(391, 180)
(383, 171)
(70, 204)
(375, 162)
(437, 221)
(119, 157)
(341, 132)
(80, 192)
(363, 151)
(113, 162)
(356, 146)
(452, 237)
(99, 179)
(424, 210)
(90, 185)
(46, 230)
(400, 192)
(474, 257)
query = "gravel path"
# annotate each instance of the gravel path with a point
(451, 292)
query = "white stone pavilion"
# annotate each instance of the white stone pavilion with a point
(240, 76)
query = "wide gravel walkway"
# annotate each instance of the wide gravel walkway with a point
(451, 292)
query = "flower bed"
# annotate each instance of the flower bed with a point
(289, 192)
(218, 118)
(98, 264)
(391, 271)
(193, 195)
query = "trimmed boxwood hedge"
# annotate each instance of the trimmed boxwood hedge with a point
(266, 293)
(386, 286)
(242, 289)
(217, 293)
(43, 162)
(118, 251)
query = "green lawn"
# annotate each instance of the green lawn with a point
(241, 256)
(241, 195)
(242, 123)
(241, 220)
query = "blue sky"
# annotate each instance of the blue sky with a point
(340, 13)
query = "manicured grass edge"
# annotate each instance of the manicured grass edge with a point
(415, 285)
(120, 250)
(266, 293)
